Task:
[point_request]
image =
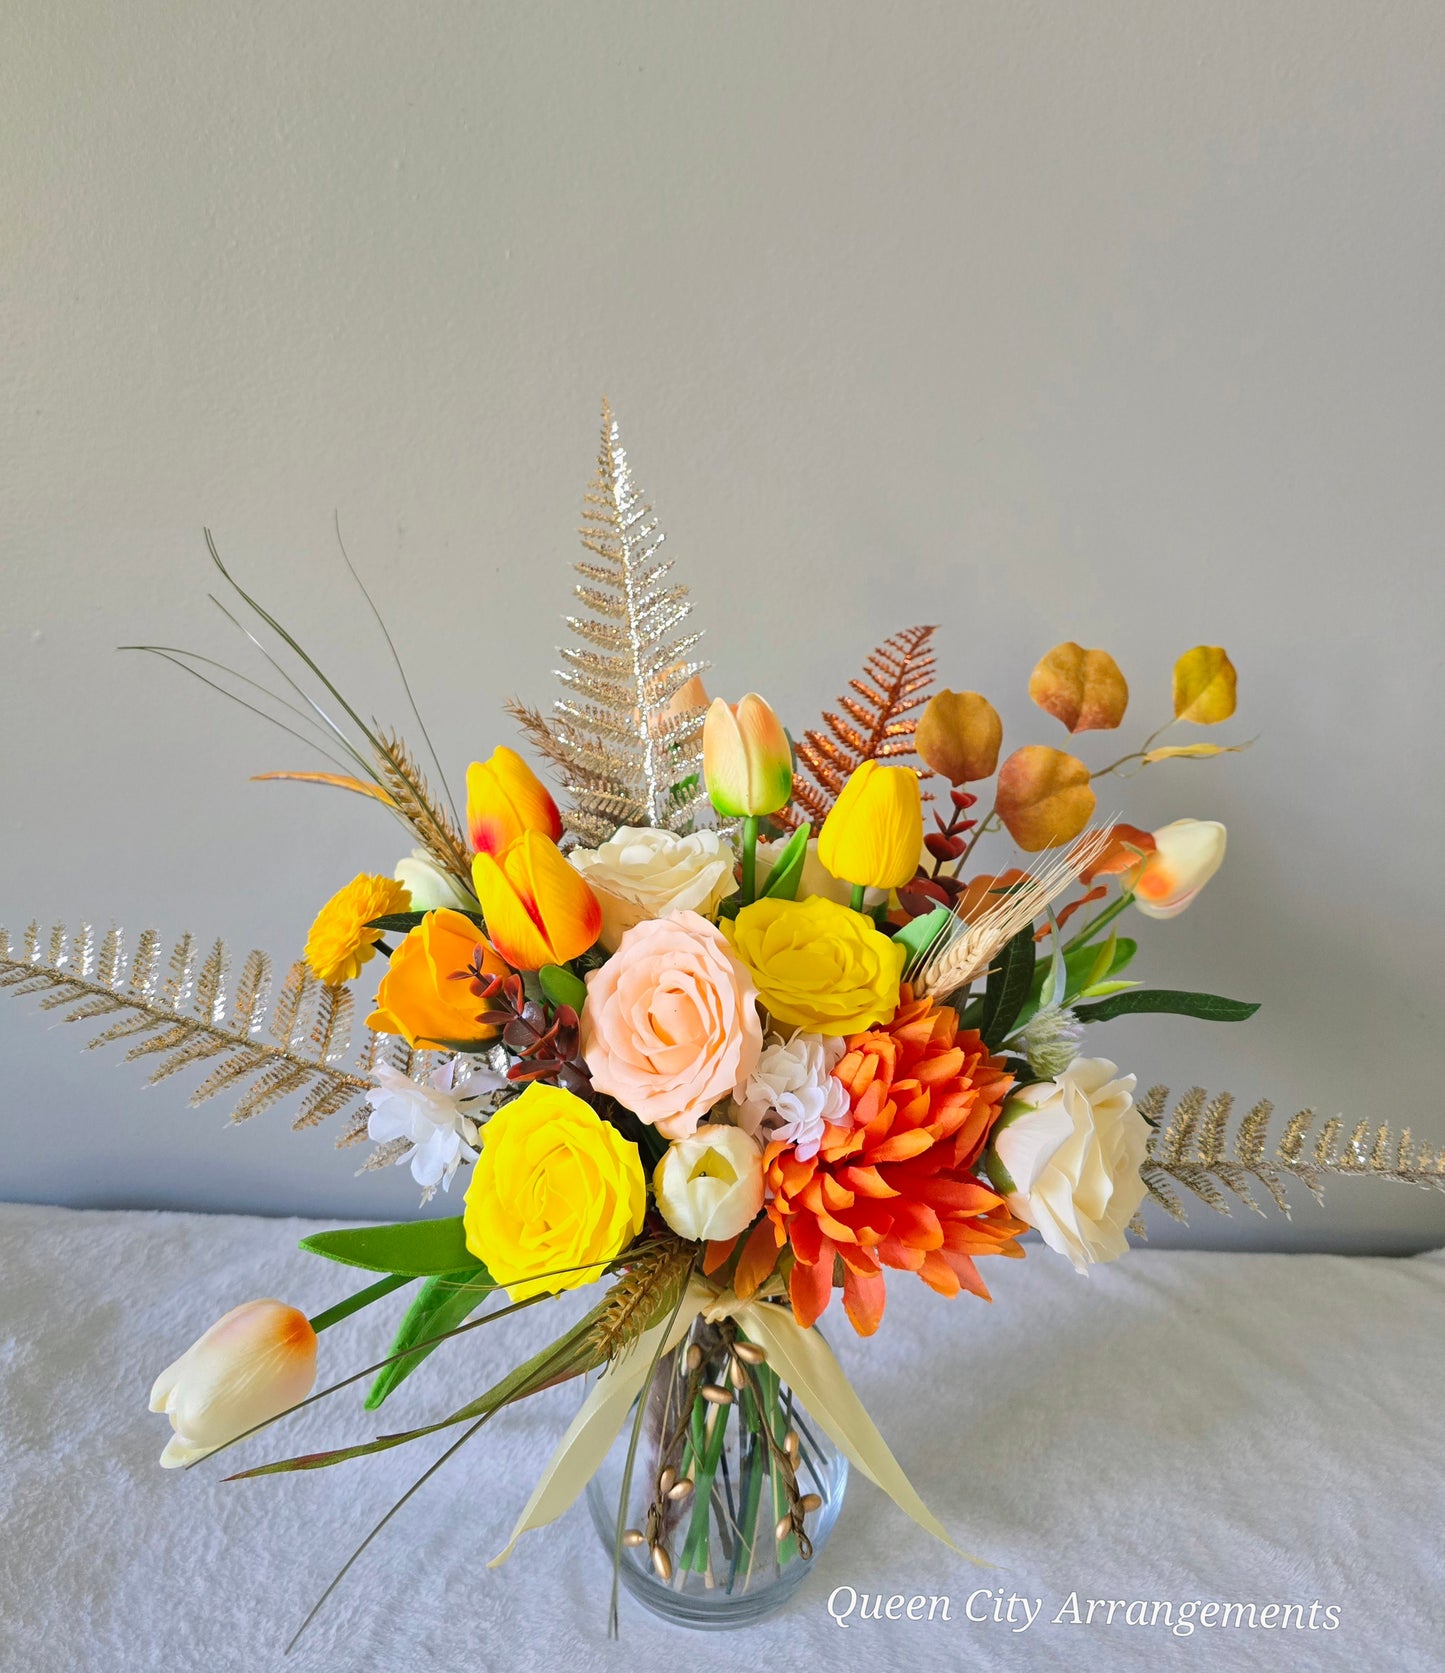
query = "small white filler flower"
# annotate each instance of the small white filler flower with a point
(792, 1094)
(435, 1116)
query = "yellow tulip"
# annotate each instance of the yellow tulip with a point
(874, 834)
(256, 1362)
(506, 799)
(537, 908)
(746, 762)
(556, 1194)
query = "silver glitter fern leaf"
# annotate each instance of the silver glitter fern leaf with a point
(624, 753)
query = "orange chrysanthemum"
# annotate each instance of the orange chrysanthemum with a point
(897, 1188)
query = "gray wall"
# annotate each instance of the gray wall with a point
(1118, 322)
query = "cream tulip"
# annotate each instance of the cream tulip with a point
(710, 1186)
(1186, 855)
(251, 1365)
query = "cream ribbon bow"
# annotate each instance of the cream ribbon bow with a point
(800, 1357)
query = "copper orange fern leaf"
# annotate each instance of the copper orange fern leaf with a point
(877, 722)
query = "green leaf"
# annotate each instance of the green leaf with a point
(442, 1303)
(787, 871)
(919, 935)
(400, 922)
(1209, 1007)
(561, 987)
(414, 1249)
(1080, 964)
(1007, 988)
(354, 1303)
(1104, 962)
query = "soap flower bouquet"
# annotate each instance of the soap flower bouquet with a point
(745, 1034)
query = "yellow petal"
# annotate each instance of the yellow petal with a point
(1204, 685)
(342, 781)
(1191, 752)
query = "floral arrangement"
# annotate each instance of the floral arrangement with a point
(744, 1029)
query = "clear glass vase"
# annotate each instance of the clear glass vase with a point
(733, 1486)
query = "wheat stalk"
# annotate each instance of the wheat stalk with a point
(1195, 1149)
(182, 1015)
(962, 951)
(413, 799)
(649, 1288)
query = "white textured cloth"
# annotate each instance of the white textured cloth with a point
(1246, 1428)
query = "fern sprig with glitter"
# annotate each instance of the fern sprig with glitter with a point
(625, 755)
(181, 1011)
(1197, 1148)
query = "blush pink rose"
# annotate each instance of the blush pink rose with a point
(671, 1025)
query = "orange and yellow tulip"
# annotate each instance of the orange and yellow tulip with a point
(426, 995)
(874, 834)
(506, 799)
(746, 761)
(538, 909)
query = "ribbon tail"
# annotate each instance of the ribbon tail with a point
(591, 1433)
(805, 1362)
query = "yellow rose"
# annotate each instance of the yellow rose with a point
(818, 965)
(556, 1193)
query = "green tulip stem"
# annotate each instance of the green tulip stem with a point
(856, 901)
(362, 1298)
(1107, 916)
(750, 858)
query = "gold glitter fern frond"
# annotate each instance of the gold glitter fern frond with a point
(183, 1011)
(1196, 1149)
(624, 755)
(876, 724)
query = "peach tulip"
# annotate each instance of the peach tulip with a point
(538, 909)
(1186, 855)
(505, 799)
(256, 1362)
(746, 760)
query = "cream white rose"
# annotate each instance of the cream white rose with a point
(710, 1186)
(644, 873)
(430, 887)
(1066, 1153)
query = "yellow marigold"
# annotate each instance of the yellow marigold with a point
(339, 942)
(818, 965)
(556, 1193)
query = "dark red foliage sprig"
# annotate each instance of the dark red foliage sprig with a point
(949, 842)
(545, 1040)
